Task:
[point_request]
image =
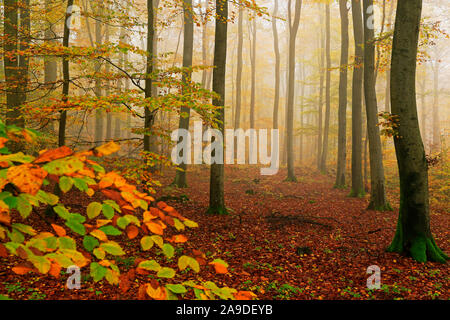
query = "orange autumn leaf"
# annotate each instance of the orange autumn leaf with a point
(102, 222)
(148, 216)
(161, 204)
(244, 295)
(27, 177)
(53, 154)
(3, 141)
(132, 231)
(158, 294)
(55, 270)
(155, 228)
(179, 238)
(60, 231)
(3, 252)
(21, 270)
(220, 268)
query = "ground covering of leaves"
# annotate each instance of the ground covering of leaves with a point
(282, 240)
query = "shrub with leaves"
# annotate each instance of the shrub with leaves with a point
(88, 240)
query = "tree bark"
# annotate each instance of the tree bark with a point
(149, 115)
(378, 199)
(413, 236)
(188, 46)
(276, 46)
(342, 112)
(323, 159)
(66, 75)
(357, 181)
(253, 73)
(293, 29)
(237, 114)
(216, 194)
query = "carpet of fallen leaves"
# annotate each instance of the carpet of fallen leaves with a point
(282, 240)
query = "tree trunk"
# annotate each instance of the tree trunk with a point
(149, 115)
(237, 114)
(342, 113)
(413, 236)
(277, 66)
(253, 74)
(357, 181)
(320, 106)
(99, 113)
(66, 75)
(180, 177)
(216, 195)
(323, 159)
(293, 29)
(378, 199)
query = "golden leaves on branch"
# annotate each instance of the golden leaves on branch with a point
(27, 177)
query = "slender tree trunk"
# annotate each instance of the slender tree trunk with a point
(387, 93)
(237, 115)
(357, 181)
(321, 87)
(253, 75)
(378, 200)
(11, 60)
(99, 113)
(204, 43)
(302, 110)
(277, 67)
(50, 65)
(323, 159)
(188, 46)
(66, 75)
(293, 27)
(216, 194)
(149, 114)
(413, 236)
(423, 118)
(342, 113)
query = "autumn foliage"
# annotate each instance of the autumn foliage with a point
(90, 240)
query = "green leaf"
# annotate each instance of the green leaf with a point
(24, 207)
(108, 211)
(24, 228)
(93, 209)
(62, 212)
(99, 253)
(166, 273)
(111, 231)
(66, 243)
(168, 250)
(113, 204)
(90, 243)
(76, 227)
(65, 183)
(16, 236)
(122, 222)
(150, 265)
(176, 288)
(146, 243)
(41, 263)
(113, 248)
(97, 271)
(80, 184)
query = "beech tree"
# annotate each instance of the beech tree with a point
(413, 236)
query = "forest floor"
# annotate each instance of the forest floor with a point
(282, 240)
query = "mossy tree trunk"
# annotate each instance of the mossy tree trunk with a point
(413, 236)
